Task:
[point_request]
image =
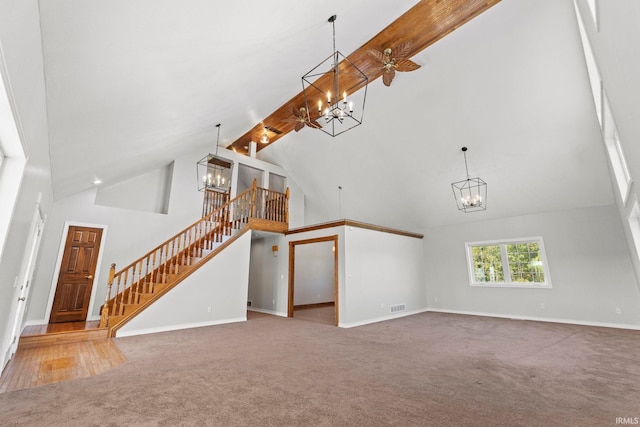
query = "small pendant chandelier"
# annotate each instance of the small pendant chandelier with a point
(214, 172)
(331, 92)
(470, 193)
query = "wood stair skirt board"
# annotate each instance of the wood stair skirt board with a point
(68, 337)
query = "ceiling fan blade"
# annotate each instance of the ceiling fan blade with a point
(387, 77)
(406, 65)
(402, 51)
(299, 126)
(296, 111)
(313, 124)
(376, 54)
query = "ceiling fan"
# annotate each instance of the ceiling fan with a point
(302, 118)
(392, 63)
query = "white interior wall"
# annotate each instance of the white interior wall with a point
(214, 294)
(263, 274)
(589, 264)
(381, 270)
(22, 73)
(149, 192)
(314, 273)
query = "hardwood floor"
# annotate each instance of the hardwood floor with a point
(59, 352)
(320, 314)
(59, 327)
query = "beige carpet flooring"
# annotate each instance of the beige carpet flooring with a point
(429, 369)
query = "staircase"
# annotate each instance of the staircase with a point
(142, 282)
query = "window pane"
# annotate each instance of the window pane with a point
(487, 264)
(525, 262)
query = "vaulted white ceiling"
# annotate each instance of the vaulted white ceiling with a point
(132, 84)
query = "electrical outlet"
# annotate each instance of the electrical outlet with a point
(435, 299)
(542, 306)
(209, 309)
(618, 310)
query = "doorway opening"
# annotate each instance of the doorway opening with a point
(313, 280)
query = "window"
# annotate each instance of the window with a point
(590, 59)
(614, 149)
(593, 8)
(515, 263)
(634, 224)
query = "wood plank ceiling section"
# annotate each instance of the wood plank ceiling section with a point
(422, 25)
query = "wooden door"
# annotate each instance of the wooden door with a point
(73, 291)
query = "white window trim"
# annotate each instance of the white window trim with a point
(634, 225)
(14, 155)
(505, 264)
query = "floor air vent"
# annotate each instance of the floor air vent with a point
(398, 307)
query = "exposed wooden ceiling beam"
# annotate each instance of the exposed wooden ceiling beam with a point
(422, 25)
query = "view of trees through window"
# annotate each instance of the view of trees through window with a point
(487, 262)
(525, 262)
(507, 263)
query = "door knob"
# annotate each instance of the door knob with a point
(21, 299)
(88, 277)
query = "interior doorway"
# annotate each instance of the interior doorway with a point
(25, 277)
(246, 175)
(77, 273)
(313, 279)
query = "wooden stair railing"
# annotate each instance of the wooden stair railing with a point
(144, 280)
(213, 200)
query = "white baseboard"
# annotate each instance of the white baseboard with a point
(35, 323)
(538, 319)
(381, 319)
(265, 311)
(120, 334)
(4, 359)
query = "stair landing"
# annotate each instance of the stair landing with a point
(61, 333)
(52, 353)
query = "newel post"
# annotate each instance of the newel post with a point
(286, 206)
(104, 315)
(254, 191)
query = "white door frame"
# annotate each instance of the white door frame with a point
(56, 273)
(23, 280)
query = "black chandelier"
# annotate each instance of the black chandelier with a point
(214, 172)
(331, 92)
(470, 193)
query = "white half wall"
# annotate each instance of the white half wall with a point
(216, 293)
(590, 266)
